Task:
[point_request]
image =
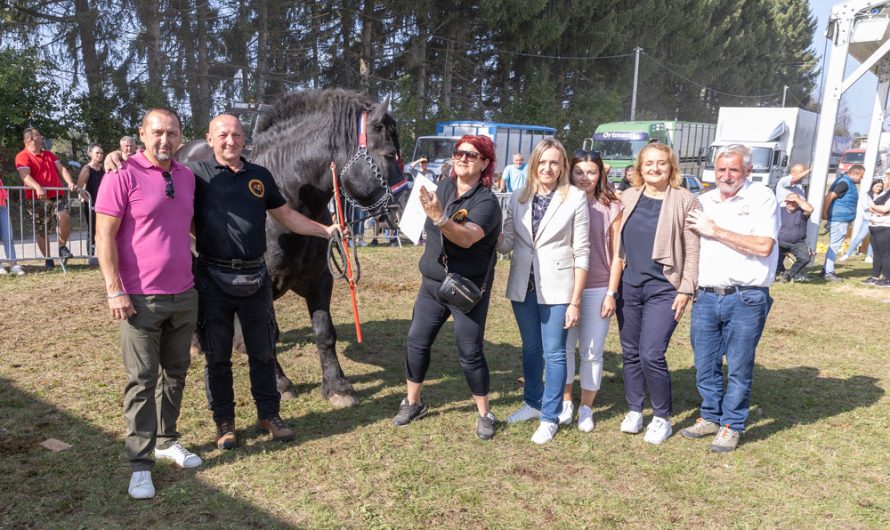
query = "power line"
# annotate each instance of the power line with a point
(706, 87)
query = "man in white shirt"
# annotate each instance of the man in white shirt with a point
(790, 183)
(423, 169)
(739, 227)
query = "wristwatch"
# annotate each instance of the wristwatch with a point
(613, 294)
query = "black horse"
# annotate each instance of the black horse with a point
(297, 139)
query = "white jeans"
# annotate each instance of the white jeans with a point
(590, 337)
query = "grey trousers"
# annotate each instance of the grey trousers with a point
(155, 348)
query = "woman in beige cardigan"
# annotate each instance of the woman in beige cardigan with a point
(658, 259)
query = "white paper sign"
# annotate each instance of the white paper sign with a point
(413, 218)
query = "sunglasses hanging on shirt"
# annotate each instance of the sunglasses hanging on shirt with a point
(168, 189)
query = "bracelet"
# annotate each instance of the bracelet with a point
(116, 295)
(576, 305)
(441, 221)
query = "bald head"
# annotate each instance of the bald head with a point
(226, 136)
(798, 173)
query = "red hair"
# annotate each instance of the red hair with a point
(485, 146)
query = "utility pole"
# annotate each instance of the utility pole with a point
(633, 98)
(784, 93)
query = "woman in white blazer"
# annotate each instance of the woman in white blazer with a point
(546, 228)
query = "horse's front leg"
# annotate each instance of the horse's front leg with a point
(335, 387)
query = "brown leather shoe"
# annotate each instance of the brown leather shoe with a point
(276, 426)
(225, 434)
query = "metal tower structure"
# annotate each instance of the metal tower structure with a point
(858, 29)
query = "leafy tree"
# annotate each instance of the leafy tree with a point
(27, 100)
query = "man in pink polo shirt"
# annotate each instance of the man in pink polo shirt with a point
(143, 217)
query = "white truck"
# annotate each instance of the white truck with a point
(778, 139)
(508, 138)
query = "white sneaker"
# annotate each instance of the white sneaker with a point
(632, 422)
(17, 270)
(659, 430)
(568, 412)
(845, 257)
(868, 259)
(585, 419)
(545, 432)
(525, 413)
(180, 455)
(141, 486)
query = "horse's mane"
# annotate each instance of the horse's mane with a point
(336, 109)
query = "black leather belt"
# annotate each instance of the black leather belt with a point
(723, 291)
(236, 264)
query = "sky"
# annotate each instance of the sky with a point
(859, 99)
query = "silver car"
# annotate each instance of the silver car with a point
(693, 184)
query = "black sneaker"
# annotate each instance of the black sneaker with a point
(485, 426)
(832, 277)
(871, 280)
(408, 413)
(49, 264)
(64, 253)
(882, 283)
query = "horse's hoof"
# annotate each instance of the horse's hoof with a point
(288, 395)
(343, 401)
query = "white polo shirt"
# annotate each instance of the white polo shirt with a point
(752, 211)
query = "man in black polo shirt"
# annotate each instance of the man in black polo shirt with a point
(232, 197)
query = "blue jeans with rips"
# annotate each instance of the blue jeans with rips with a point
(837, 232)
(727, 325)
(541, 327)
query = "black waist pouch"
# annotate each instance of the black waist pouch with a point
(236, 283)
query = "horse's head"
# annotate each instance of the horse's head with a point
(374, 178)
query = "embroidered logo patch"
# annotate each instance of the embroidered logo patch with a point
(460, 216)
(257, 188)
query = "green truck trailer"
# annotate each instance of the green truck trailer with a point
(620, 142)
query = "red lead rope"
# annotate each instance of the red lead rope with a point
(342, 222)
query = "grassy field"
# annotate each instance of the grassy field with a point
(816, 453)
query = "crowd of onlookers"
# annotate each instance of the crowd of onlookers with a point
(48, 210)
(45, 200)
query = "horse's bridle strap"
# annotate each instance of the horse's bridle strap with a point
(362, 130)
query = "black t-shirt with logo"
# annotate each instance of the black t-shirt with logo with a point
(230, 209)
(479, 206)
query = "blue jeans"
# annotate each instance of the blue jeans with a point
(837, 232)
(541, 327)
(857, 240)
(728, 325)
(6, 233)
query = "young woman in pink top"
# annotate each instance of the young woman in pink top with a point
(598, 300)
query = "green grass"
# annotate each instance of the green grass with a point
(815, 454)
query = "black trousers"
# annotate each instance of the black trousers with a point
(469, 333)
(216, 328)
(880, 242)
(801, 253)
(645, 325)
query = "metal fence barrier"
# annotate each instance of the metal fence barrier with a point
(19, 243)
(20, 234)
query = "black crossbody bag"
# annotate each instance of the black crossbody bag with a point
(459, 291)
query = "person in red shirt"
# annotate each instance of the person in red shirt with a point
(40, 169)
